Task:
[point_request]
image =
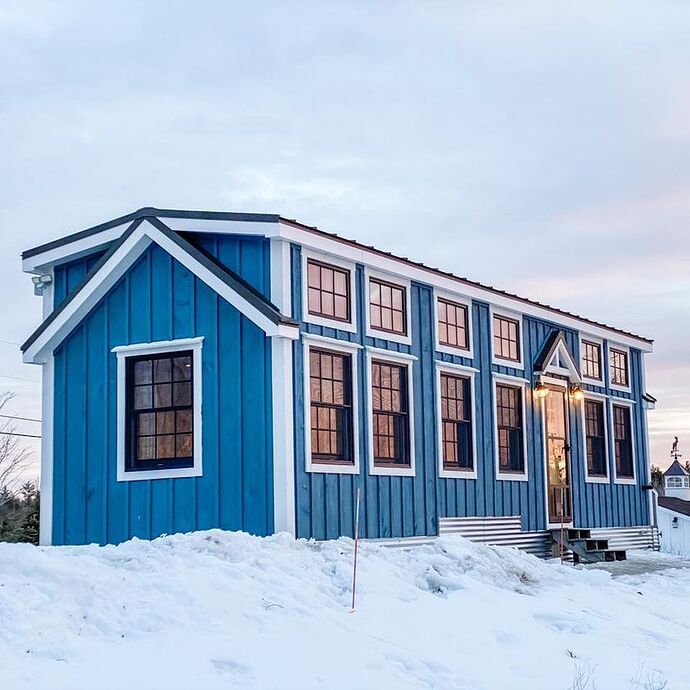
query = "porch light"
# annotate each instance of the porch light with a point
(576, 393)
(541, 391)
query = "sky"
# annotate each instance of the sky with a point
(541, 147)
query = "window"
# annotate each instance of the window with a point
(506, 338)
(618, 361)
(622, 436)
(509, 421)
(160, 413)
(328, 291)
(456, 422)
(453, 327)
(330, 378)
(595, 438)
(387, 307)
(677, 482)
(390, 414)
(591, 360)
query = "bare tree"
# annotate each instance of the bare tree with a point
(14, 458)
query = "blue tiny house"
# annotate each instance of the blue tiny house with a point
(248, 372)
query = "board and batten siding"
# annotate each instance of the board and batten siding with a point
(411, 506)
(158, 299)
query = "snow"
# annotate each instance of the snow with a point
(227, 610)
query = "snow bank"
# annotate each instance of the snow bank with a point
(220, 610)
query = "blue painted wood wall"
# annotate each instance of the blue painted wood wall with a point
(407, 506)
(158, 299)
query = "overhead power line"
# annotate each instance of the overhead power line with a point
(21, 419)
(18, 378)
(13, 433)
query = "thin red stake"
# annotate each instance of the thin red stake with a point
(354, 565)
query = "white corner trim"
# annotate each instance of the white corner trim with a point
(514, 316)
(621, 402)
(407, 471)
(47, 449)
(582, 336)
(283, 436)
(382, 353)
(281, 275)
(516, 383)
(468, 373)
(336, 347)
(393, 279)
(626, 350)
(462, 301)
(605, 413)
(336, 262)
(123, 352)
(334, 342)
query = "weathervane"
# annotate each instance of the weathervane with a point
(675, 454)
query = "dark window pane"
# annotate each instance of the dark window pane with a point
(143, 371)
(162, 395)
(182, 369)
(509, 422)
(162, 370)
(165, 446)
(165, 422)
(184, 445)
(147, 424)
(183, 420)
(182, 393)
(143, 397)
(146, 448)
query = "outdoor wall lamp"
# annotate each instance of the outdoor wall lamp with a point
(541, 391)
(576, 393)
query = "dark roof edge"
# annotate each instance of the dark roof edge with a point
(149, 212)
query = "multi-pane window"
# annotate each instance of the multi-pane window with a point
(677, 482)
(506, 338)
(509, 420)
(453, 328)
(328, 291)
(331, 407)
(622, 435)
(618, 362)
(595, 437)
(456, 422)
(160, 411)
(591, 360)
(390, 418)
(387, 307)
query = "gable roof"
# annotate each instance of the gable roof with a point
(554, 344)
(676, 470)
(140, 234)
(677, 505)
(109, 231)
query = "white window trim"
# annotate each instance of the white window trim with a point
(123, 352)
(595, 341)
(514, 316)
(462, 301)
(408, 361)
(622, 402)
(521, 383)
(467, 372)
(394, 280)
(615, 386)
(603, 400)
(338, 347)
(336, 262)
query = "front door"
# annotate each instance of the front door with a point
(557, 455)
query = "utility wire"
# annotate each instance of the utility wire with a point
(12, 433)
(18, 378)
(21, 419)
(10, 342)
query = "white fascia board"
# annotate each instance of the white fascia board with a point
(398, 267)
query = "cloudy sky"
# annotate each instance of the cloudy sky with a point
(540, 147)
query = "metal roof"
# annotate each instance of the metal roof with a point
(274, 218)
(676, 470)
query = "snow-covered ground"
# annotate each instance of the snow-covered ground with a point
(222, 610)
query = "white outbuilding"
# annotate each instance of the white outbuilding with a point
(674, 511)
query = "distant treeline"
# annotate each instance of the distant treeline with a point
(19, 514)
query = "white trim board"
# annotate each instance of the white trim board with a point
(123, 352)
(116, 266)
(47, 441)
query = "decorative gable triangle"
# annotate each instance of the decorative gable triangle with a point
(555, 358)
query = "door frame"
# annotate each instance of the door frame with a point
(565, 384)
